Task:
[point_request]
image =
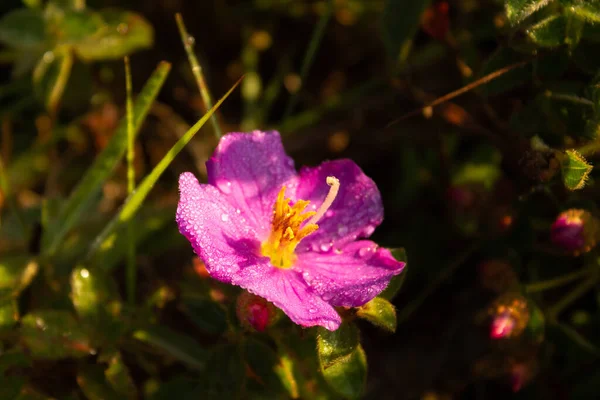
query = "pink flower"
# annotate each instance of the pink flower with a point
(290, 238)
(575, 231)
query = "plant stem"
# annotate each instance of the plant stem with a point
(574, 294)
(131, 259)
(309, 57)
(188, 44)
(556, 282)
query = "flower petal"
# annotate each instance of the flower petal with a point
(219, 235)
(355, 212)
(287, 290)
(350, 276)
(250, 168)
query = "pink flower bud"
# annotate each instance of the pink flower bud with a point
(254, 312)
(509, 316)
(575, 231)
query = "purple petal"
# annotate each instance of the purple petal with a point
(287, 290)
(350, 276)
(355, 212)
(219, 235)
(250, 168)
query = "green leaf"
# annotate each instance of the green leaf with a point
(180, 347)
(549, 32)
(342, 360)
(54, 334)
(379, 312)
(518, 10)
(16, 273)
(226, 376)
(92, 382)
(118, 376)
(575, 170)
(11, 387)
(97, 303)
(286, 372)
(123, 33)
(87, 189)
(9, 314)
(588, 10)
(133, 202)
(23, 29)
(397, 281)
(206, 314)
(74, 26)
(263, 361)
(400, 22)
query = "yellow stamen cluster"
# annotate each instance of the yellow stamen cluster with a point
(287, 230)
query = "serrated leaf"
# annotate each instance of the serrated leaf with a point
(16, 273)
(342, 360)
(23, 29)
(87, 189)
(575, 170)
(588, 10)
(179, 346)
(397, 281)
(379, 312)
(549, 32)
(518, 10)
(123, 33)
(400, 22)
(53, 335)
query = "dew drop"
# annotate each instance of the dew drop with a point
(329, 213)
(369, 230)
(84, 273)
(342, 230)
(325, 246)
(312, 310)
(226, 188)
(224, 217)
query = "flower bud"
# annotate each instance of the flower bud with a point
(254, 312)
(510, 316)
(575, 231)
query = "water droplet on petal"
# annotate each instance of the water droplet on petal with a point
(312, 310)
(329, 213)
(226, 187)
(325, 246)
(84, 273)
(342, 230)
(224, 217)
(369, 230)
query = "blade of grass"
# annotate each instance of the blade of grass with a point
(309, 57)
(133, 202)
(188, 42)
(89, 185)
(131, 265)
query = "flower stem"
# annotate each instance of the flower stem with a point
(309, 57)
(574, 294)
(131, 259)
(557, 282)
(188, 42)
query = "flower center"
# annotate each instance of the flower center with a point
(289, 228)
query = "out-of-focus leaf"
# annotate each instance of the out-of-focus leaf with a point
(54, 334)
(9, 314)
(502, 58)
(92, 382)
(518, 10)
(11, 387)
(588, 10)
(118, 376)
(397, 281)
(23, 28)
(96, 301)
(342, 360)
(286, 372)
(174, 344)
(16, 273)
(176, 388)
(549, 32)
(207, 315)
(400, 22)
(28, 393)
(87, 189)
(225, 378)
(379, 312)
(134, 202)
(74, 26)
(537, 324)
(575, 170)
(263, 361)
(13, 358)
(123, 33)
(50, 78)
